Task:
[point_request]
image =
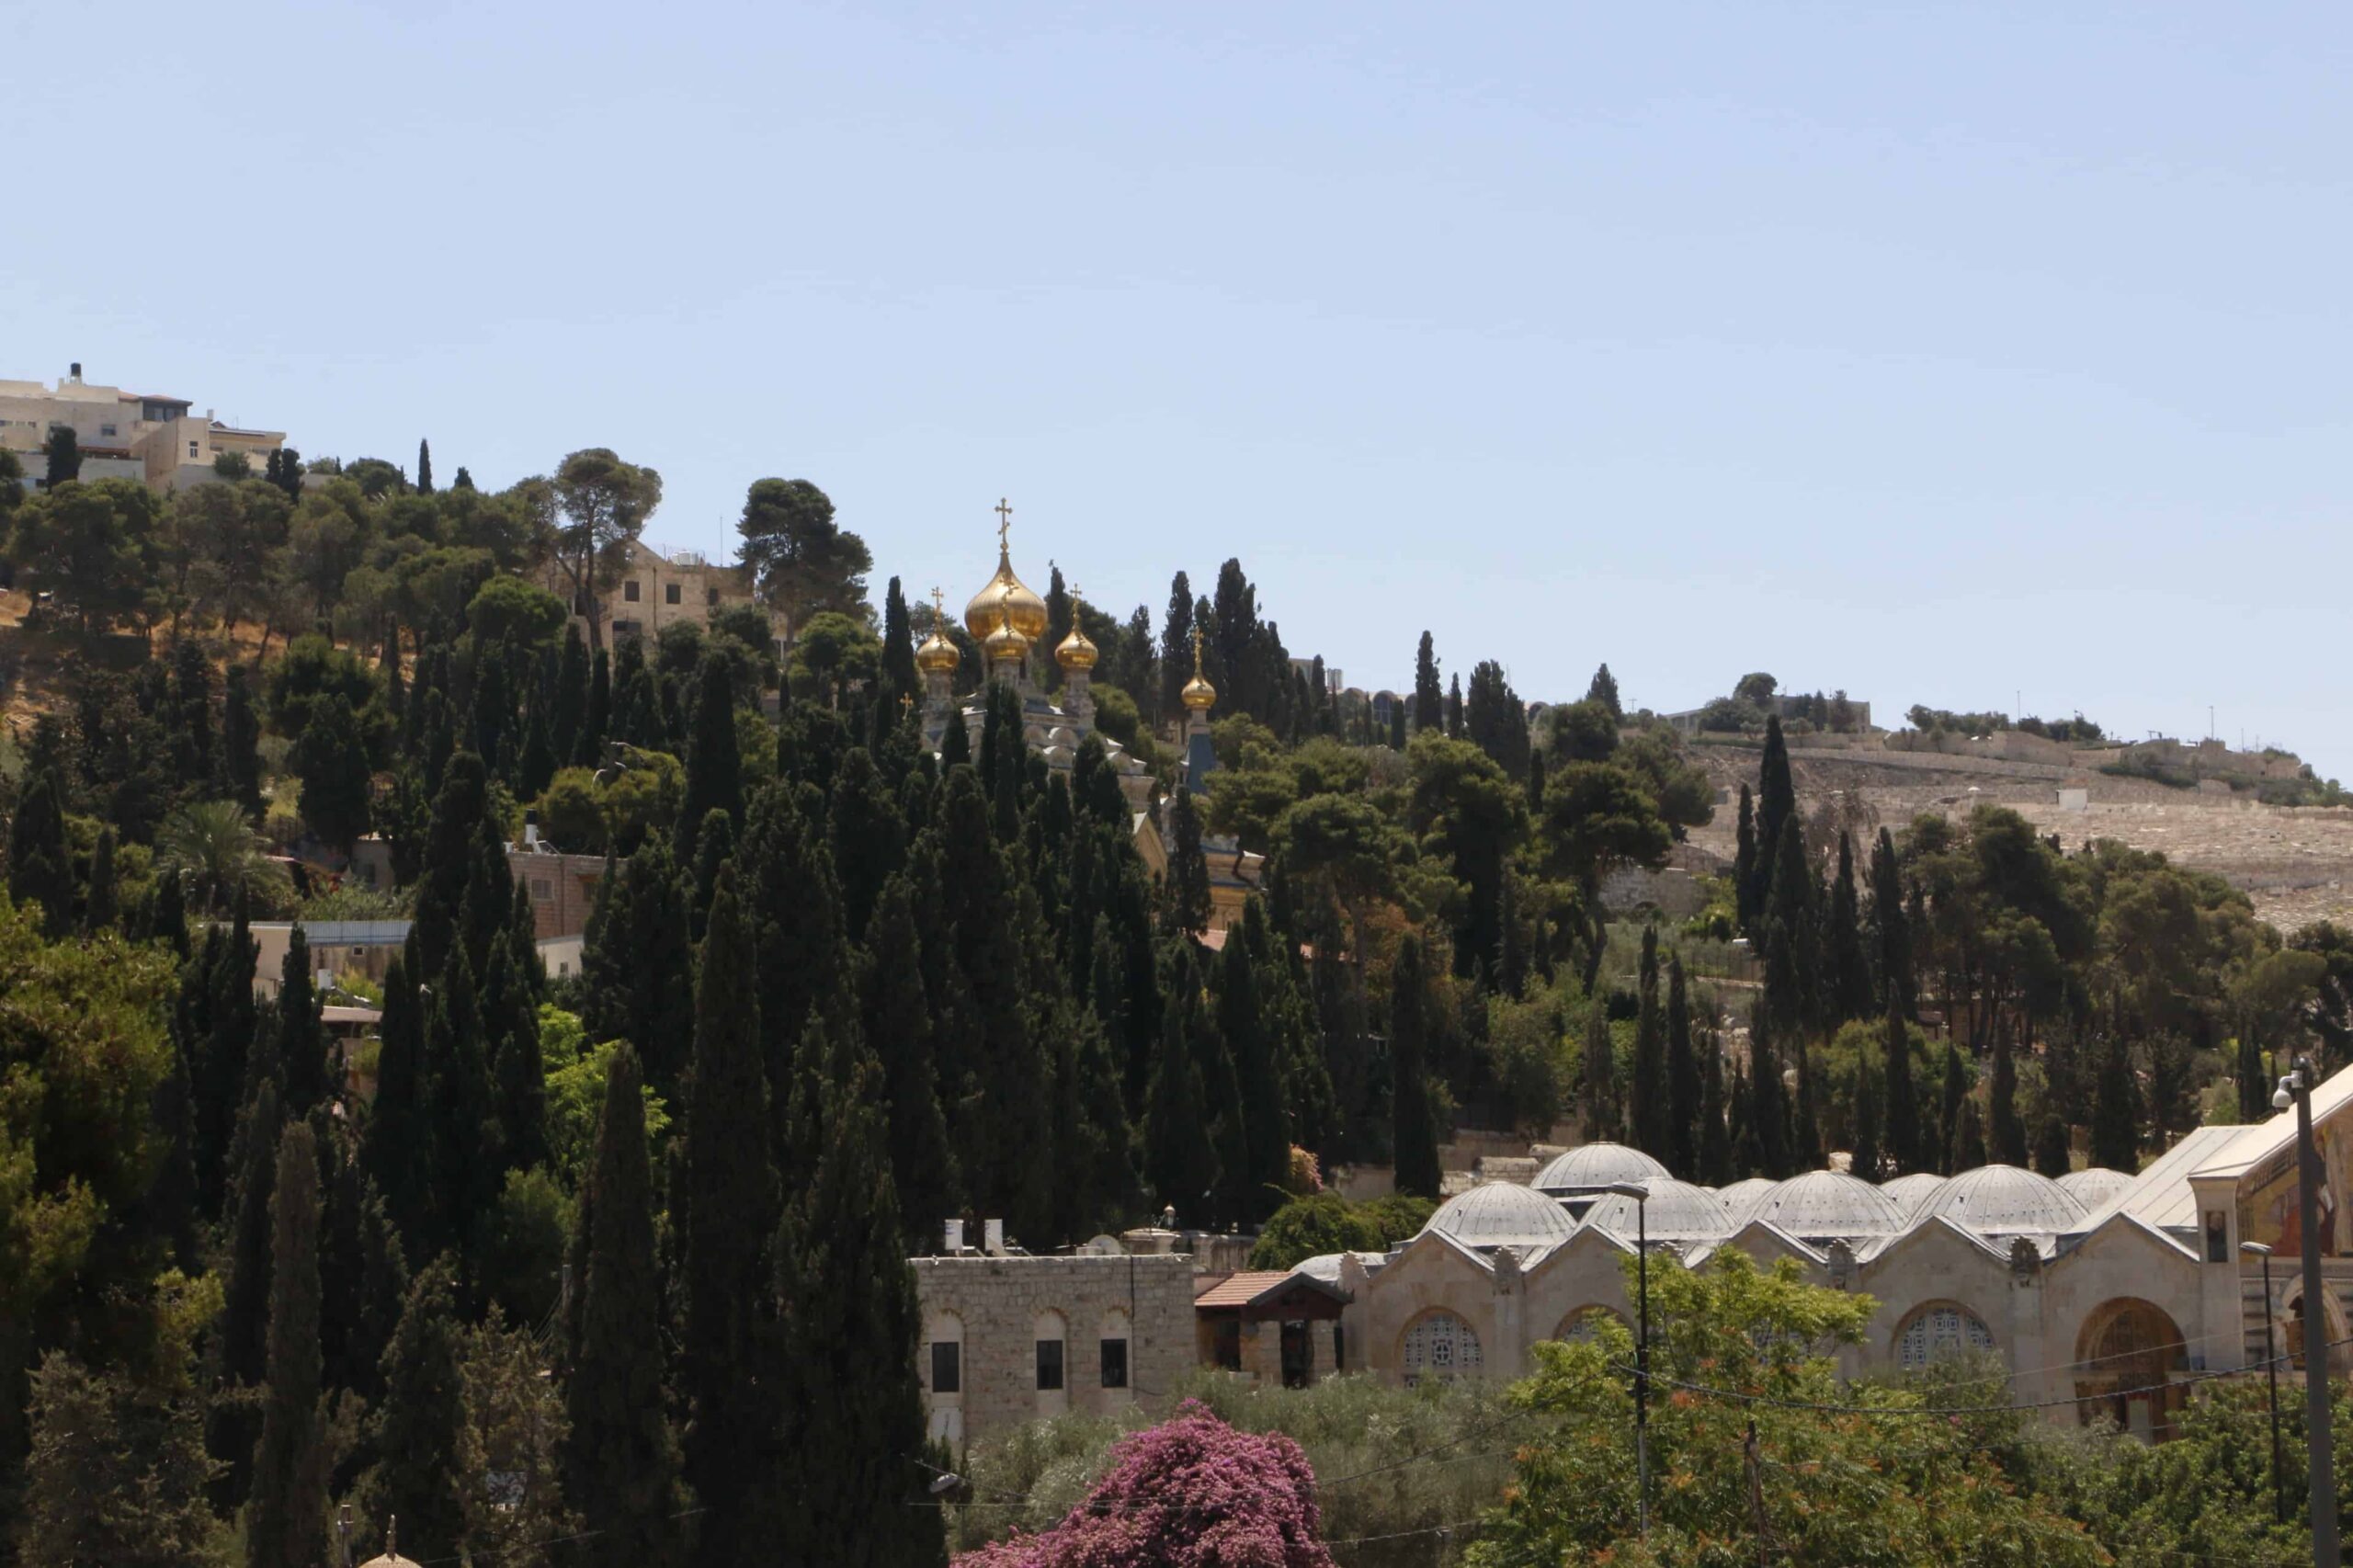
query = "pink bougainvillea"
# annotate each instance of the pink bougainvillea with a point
(1190, 1493)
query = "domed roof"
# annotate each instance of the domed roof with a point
(1075, 653)
(1739, 1197)
(1026, 609)
(1826, 1204)
(1198, 694)
(1913, 1192)
(935, 652)
(2004, 1199)
(1007, 644)
(1595, 1165)
(1502, 1213)
(1679, 1211)
(2094, 1185)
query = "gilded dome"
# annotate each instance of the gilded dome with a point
(1024, 608)
(938, 654)
(1076, 652)
(1006, 645)
(1198, 694)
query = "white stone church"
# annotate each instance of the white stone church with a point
(2097, 1289)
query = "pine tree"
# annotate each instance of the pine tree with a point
(1648, 1104)
(40, 866)
(2116, 1111)
(1415, 1137)
(1598, 1086)
(1905, 1152)
(1683, 1089)
(1744, 879)
(287, 1526)
(2006, 1126)
(116, 1473)
(423, 467)
(727, 1209)
(419, 1428)
(620, 1459)
(714, 766)
(1869, 1153)
(1430, 699)
(464, 481)
(846, 1474)
(1604, 690)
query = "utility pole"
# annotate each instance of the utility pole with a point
(2271, 1372)
(2297, 1086)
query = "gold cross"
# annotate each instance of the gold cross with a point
(939, 613)
(906, 705)
(1076, 594)
(1004, 521)
(1197, 648)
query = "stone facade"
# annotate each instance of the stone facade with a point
(999, 1310)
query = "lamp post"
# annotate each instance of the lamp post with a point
(2296, 1088)
(1641, 1195)
(2271, 1372)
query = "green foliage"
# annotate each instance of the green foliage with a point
(576, 1095)
(804, 563)
(1325, 1223)
(508, 609)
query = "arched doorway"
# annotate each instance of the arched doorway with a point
(2128, 1354)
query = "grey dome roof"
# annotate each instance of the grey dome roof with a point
(1739, 1197)
(1913, 1192)
(1827, 1203)
(1595, 1165)
(1679, 1211)
(2004, 1200)
(1502, 1213)
(2094, 1185)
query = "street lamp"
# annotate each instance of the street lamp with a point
(2296, 1089)
(1642, 1195)
(2272, 1371)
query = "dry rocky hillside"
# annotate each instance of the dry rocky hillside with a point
(2296, 863)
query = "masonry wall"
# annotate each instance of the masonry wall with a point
(993, 1304)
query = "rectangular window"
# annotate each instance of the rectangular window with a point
(107, 430)
(191, 449)
(1050, 1363)
(710, 598)
(542, 888)
(670, 593)
(947, 1367)
(629, 590)
(1115, 1363)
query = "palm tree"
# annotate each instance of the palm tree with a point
(211, 843)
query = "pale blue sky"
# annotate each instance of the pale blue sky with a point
(1932, 352)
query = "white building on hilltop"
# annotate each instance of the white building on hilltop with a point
(124, 435)
(2100, 1291)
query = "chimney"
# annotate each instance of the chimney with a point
(532, 828)
(77, 373)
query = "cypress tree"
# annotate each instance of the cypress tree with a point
(727, 1210)
(2007, 1128)
(1868, 1152)
(511, 1024)
(389, 666)
(287, 1526)
(461, 1126)
(40, 866)
(423, 467)
(188, 715)
(1969, 1139)
(331, 760)
(1598, 1082)
(568, 714)
(1604, 690)
(2052, 1156)
(539, 760)
(1956, 1095)
(714, 766)
(1769, 1106)
(897, 1024)
(464, 481)
(1903, 1140)
(420, 1427)
(218, 1064)
(1189, 868)
(596, 722)
(1397, 725)
(1454, 708)
(1267, 1129)
(302, 1052)
(1715, 1154)
(366, 1278)
(392, 1145)
(245, 1306)
(899, 676)
(167, 913)
(1178, 1161)
(637, 964)
(1892, 929)
(1414, 1134)
(241, 742)
(869, 837)
(1649, 1105)
(1777, 804)
(1175, 646)
(1847, 986)
(2116, 1111)
(1747, 1155)
(1429, 700)
(850, 1320)
(620, 1457)
(1683, 1089)
(1744, 879)
(101, 908)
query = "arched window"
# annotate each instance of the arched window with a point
(1578, 1325)
(1113, 1351)
(1934, 1331)
(1440, 1344)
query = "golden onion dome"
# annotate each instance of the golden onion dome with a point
(1075, 654)
(1006, 645)
(938, 654)
(1198, 694)
(1027, 611)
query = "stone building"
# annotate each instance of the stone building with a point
(2098, 1291)
(653, 586)
(155, 439)
(1008, 1339)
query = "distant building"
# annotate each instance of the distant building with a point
(657, 586)
(154, 440)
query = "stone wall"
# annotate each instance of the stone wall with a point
(993, 1306)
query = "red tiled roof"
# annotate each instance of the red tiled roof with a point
(1241, 1290)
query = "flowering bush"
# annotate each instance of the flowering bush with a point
(1191, 1492)
(1305, 1176)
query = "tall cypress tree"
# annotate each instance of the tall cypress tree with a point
(1745, 880)
(1769, 1104)
(1868, 1154)
(420, 1426)
(1175, 646)
(302, 1051)
(218, 1064)
(41, 866)
(637, 964)
(1189, 868)
(1777, 804)
(899, 676)
(1892, 929)
(511, 1024)
(1430, 699)
(1243, 1021)
(1415, 1133)
(2116, 1111)
(1684, 1088)
(460, 1153)
(1454, 708)
(287, 1526)
(714, 766)
(1955, 1096)
(244, 1308)
(423, 467)
(1715, 1152)
(569, 711)
(847, 1474)
(1598, 1087)
(1902, 1139)
(897, 1022)
(2005, 1128)
(1178, 1161)
(394, 1147)
(596, 722)
(1847, 981)
(1649, 1106)
(620, 1457)
(727, 1210)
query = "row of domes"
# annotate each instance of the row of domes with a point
(1814, 1207)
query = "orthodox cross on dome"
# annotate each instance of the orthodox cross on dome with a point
(1197, 649)
(1076, 594)
(1004, 521)
(938, 612)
